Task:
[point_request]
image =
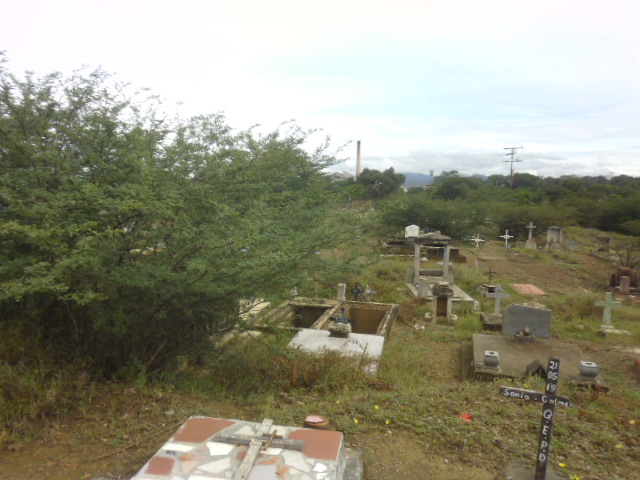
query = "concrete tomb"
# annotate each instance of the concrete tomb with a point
(523, 349)
(531, 241)
(493, 321)
(205, 448)
(555, 237)
(603, 243)
(322, 326)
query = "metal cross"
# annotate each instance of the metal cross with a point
(506, 237)
(490, 272)
(477, 240)
(549, 400)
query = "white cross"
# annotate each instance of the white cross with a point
(498, 295)
(477, 240)
(608, 305)
(506, 237)
(531, 226)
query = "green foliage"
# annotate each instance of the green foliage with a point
(127, 239)
(380, 184)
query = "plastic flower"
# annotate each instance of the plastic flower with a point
(562, 465)
(619, 445)
(632, 422)
(575, 477)
(388, 422)
(377, 407)
(355, 420)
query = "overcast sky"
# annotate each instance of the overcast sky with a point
(425, 85)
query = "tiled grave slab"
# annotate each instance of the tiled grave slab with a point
(515, 356)
(527, 289)
(195, 453)
(356, 344)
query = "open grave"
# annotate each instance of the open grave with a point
(205, 448)
(369, 325)
(523, 349)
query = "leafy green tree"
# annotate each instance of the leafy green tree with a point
(380, 184)
(127, 238)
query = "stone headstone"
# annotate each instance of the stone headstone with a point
(625, 285)
(518, 317)
(342, 288)
(423, 288)
(531, 244)
(412, 231)
(409, 276)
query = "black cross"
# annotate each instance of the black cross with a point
(490, 274)
(549, 400)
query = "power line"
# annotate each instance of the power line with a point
(512, 153)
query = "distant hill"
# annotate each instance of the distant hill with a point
(417, 179)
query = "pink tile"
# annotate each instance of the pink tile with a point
(199, 429)
(323, 444)
(160, 466)
(527, 289)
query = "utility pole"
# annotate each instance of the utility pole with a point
(511, 154)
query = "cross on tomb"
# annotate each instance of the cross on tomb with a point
(477, 240)
(549, 400)
(530, 227)
(506, 237)
(498, 295)
(262, 440)
(608, 304)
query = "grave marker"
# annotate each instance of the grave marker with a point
(549, 400)
(537, 321)
(498, 295)
(506, 237)
(477, 240)
(608, 304)
(530, 227)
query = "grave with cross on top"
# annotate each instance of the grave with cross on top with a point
(477, 240)
(498, 295)
(609, 304)
(549, 399)
(506, 237)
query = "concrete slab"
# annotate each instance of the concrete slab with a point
(527, 289)
(515, 356)
(459, 295)
(355, 345)
(213, 448)
(518, 317)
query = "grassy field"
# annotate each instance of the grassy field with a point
(407, 420)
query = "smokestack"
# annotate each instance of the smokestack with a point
(359, 162)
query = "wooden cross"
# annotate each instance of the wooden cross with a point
(506, 237)
(608, 304)
(549, 400)
(260, 441)
(531, 226)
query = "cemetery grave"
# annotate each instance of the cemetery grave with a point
(417, 391)
(369, 324)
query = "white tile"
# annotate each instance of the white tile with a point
(320, 467)
(177, 447)
(245, 430)
(217, 448)
(218, 466)
(295, 460)
(273, 451)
